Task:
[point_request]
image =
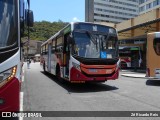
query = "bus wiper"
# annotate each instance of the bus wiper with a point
(93, 39)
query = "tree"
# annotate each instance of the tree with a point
(44, 30)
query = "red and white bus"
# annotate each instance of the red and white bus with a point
(82, 52)
(130, 56)
(11, 29)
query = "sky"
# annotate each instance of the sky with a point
(55, 10)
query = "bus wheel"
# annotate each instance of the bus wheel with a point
(58, 74)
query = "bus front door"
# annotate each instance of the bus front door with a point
(49, 58)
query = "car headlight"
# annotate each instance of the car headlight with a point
(7, 75)
(75, 65)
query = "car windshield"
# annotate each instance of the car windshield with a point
(93, 45)
(8, 23)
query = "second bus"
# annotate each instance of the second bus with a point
(82, 52)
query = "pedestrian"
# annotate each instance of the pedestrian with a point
(28, 63)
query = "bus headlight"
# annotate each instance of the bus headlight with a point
(7, 75)
(75, 65)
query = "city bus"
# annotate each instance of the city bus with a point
(82, 52)
(130, 56)
(153, 55)
(12, 20)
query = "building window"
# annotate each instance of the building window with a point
(149, 5)
(154, 3)
(141, 9)
(141, 1)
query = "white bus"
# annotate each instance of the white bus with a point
(11, 29)
(82, 52)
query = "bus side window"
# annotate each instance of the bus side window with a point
(46, 48)
(53, 46)
(66, 44)
(59, 45)
(157, 46)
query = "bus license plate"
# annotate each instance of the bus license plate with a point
(108, 71)
(92, 70)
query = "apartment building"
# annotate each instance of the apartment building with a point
(148, 5)
(113, 11)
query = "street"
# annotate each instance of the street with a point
(43, 92)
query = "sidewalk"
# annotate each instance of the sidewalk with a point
(133, 74)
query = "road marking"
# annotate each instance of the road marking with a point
(23, 78)
(22, 94)
(21, 103)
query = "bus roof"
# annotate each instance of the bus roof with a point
(70, 25)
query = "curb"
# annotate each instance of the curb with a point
(134, 76)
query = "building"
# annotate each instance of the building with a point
(134, 32)
(34, 49)
(113, 11)
(89, 10)
(148, 5)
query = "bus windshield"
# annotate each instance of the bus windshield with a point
(8, 23)
(93, 45)
(124, 53)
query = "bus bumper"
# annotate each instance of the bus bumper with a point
(79, 76)
(9, 96)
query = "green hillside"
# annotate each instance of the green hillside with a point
(44, 29)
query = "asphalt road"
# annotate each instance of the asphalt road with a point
(44, 92)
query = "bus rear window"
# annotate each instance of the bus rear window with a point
(156, 44)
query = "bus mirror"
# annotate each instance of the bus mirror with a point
(29, 17)
(22, 27)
